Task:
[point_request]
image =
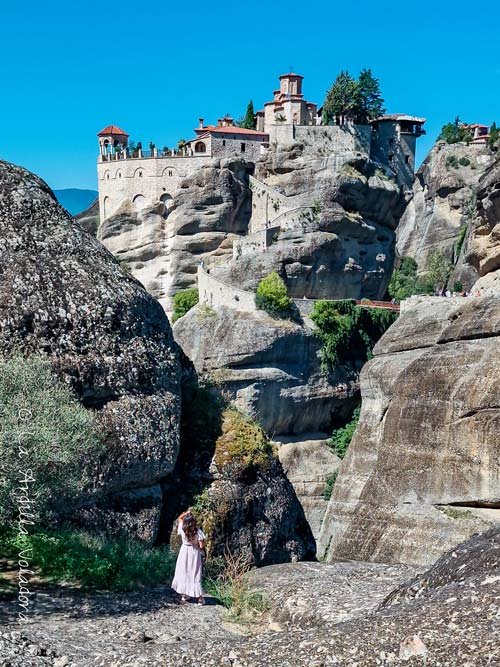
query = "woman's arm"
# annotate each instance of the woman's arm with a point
(201, 544)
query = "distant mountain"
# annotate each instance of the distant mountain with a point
(75, 200)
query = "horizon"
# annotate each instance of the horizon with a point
(156, 83)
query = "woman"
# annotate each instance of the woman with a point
(187, 578)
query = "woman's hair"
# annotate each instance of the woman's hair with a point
(189, 526)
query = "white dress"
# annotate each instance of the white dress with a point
(188, 569)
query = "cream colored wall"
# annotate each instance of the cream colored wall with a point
(144, 180)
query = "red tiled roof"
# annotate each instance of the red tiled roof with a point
(229, 129)
(112, 129)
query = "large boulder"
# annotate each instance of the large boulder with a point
(64, 296)
(422, 471)
(162, 245)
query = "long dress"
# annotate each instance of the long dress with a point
(188, 569)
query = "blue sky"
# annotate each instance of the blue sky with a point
(69, 69)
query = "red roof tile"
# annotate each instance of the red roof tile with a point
(229, 129)
(112, 129)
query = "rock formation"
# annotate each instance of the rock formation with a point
(163, 245)
(443, 206)
(89, 219)
(342, 243)
(422, 471)
(62, 295)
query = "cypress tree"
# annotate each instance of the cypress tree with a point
(249, 118)
(371, 100)
(342, 100)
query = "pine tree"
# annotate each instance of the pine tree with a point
(342, 100)
(371, 100)
(248, 120)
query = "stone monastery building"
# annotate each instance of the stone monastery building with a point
(131, 176)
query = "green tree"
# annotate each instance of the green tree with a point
(272, 295)
(438, 270)
(184, 301)
(45, 430)
(249, 119)
(455, 132)
(342, 100)
(494, 136)
(341, 437)
(404, 281)
(371, 103)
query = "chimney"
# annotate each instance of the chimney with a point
(200, 122)
(219, 122)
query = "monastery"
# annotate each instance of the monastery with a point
(140, 178)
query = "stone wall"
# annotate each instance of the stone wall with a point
(254, 242)
(214, 292)
(267, 204)
(142, 181)
(324, 138)
(240, 146)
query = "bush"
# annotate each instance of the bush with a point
(438, 270)
(348, 331)
(272, 296)
(330, 482)
(460, 241)
(464, 161)
(341, 437)
(43, 428)
(242, 444)
(184, 301)
(77, 557)
(404, 282)
(451, 161)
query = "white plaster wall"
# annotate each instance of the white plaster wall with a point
(121, 181)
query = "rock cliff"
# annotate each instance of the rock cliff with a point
(163, 245)
(440, 213)
(63, 296)
(342, 243)
(422, 471)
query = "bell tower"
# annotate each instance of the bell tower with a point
(112, 140)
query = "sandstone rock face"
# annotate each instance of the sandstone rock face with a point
(62, 295)
(484, 245)
(269, 367)
(89, 219)
(422, 471)
(344, 246)
(162, 245)
(308, 462)
(443, 203)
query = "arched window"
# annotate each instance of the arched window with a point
(105, 207)
(139, 201)
(167, 200)
(200, 147)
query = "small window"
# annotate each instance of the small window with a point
(242, 147)
(140, 174)
(107, 177)
(391, 141)
(390, 157)
(223, 142)
(407, 159)
(170, 172)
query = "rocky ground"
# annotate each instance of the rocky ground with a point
(319, 615)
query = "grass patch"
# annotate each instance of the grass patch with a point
(242, 443)
(453, 513)
(90, 561)
(228, 582)
(330, 482)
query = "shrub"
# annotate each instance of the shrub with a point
(460, 241)
(341, 437)
(451, 161)
(464, 161)
(43, 428)
(184, 301)
(90, 561)
(438, 270)
(404, 281)
(330, 482)
(272, 296)
(348, 331)
(242, 443)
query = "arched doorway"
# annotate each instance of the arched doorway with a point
(167, 200)
(139, 202)
(200, 147)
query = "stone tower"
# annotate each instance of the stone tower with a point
(112, 140)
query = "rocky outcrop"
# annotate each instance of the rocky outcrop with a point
(484, 244)
(162, 245)
(89, 219)
(269, 367)
(342, 244)
(63, 296)
(422, 472)
(443, 206)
